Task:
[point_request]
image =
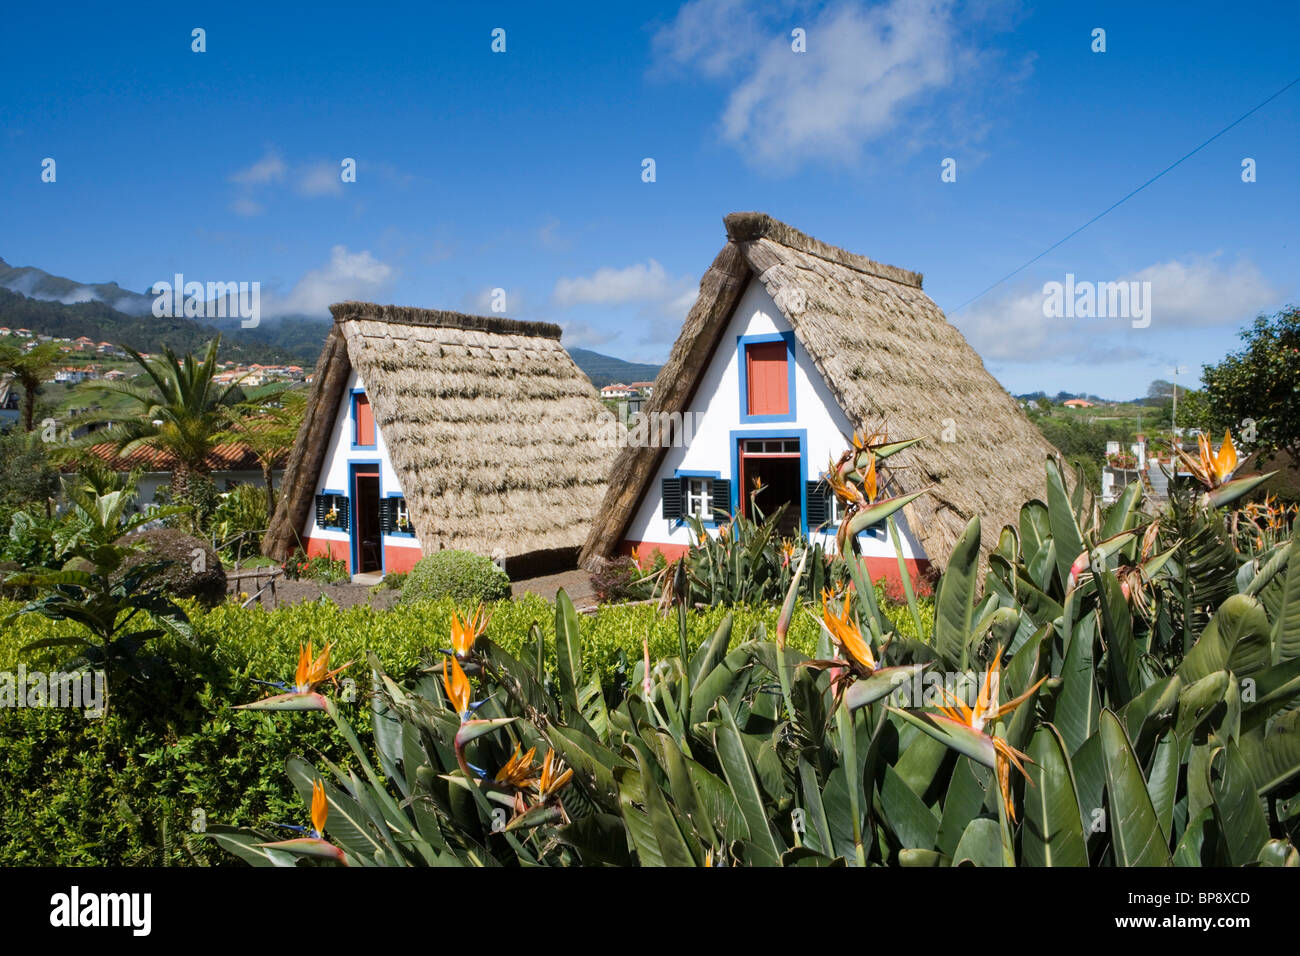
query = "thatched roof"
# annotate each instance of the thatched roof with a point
(887, 354)
(490, 425)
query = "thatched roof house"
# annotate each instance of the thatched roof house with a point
(428, 430)
(791, 345)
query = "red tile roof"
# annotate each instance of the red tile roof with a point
(235, 456)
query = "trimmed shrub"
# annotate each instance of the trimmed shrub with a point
(207, 585)
(460, 575)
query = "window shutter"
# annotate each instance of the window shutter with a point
(818, 512)
(386, 511)
(321, 508)
(672, 492)
(345, 511)
(720, 491)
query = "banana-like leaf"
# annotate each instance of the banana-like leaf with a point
(881, 684)
(1237, 811)
(568, 650)
(1136, 837)
(980, 845)
(955, 600)
(1227, 493)
(307, 847)
(965, 740)
(744, 785)
(904, 814)
(1078, 704)
(1053, 830)
(1060, 517)
(1240, 620)
(874, 514)
(1273, 758)
(1286, 622)
(249, 846)
(292, 701)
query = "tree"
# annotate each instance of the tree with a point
(30, 370)
(1256, 392)
(27, 476)
(268, 423)
(181, 412)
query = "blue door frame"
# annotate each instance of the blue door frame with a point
(354, 539)
(737, 490)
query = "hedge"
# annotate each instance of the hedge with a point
(131, 787)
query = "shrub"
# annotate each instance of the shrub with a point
(619, 579)
(461, 575)
(186, 576)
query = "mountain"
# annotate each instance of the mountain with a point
(606, 370)
(32, 298)
(39, 284)
(287, 341)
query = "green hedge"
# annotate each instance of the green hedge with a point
(124, 788)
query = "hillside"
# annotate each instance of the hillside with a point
(606, 370)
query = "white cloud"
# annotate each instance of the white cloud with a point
(1187, 294)
(1200, 292)
(865, 69)
(318, 179)
(608, 286)
(348, 275)
(270, 168)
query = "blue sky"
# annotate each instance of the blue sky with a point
(522, 170)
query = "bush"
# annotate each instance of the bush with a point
(207, 584)
(619, 579)
(460, 575)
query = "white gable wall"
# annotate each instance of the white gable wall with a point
(334, 474)
(716, 408)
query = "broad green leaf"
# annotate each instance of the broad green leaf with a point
(744, 785)
(1237, 811)
(1135, 831)
(955, 599)
(1052, 834)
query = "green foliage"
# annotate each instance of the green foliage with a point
(460, 575)
(28, 478)
(102, 588)
(238, 515)
(194, 503)
(742, 751)
(1259, 383)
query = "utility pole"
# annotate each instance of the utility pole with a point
(1176, 370)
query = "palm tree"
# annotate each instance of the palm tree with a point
(268, 423)
(181, 412)
(30, 370)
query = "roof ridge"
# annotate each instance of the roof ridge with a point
(752, 226)
(409, 315)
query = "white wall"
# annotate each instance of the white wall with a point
(718, 399)
(334, 469)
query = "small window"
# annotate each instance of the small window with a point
(767, 375)
(364, 421)
(396, 517)
(332, 511)
(699, 498)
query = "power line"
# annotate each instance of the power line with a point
(1129, 196)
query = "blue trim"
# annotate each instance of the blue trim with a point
(737, 491)
(398, 534)
(353, 541)
(355, 423)
(337, 494)
(744, 340)
(688, 473)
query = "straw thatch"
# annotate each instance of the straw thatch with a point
(888, 356)
(491, 428)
